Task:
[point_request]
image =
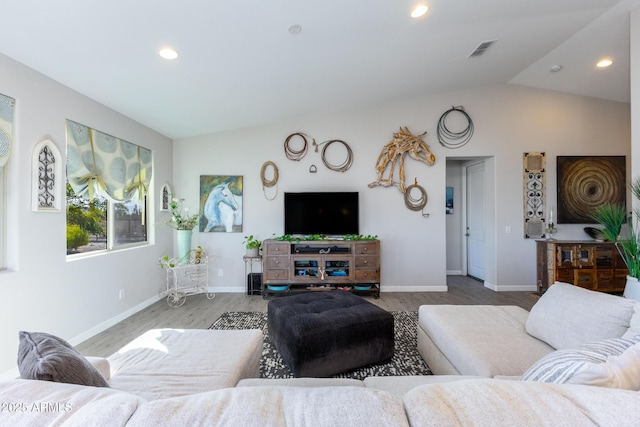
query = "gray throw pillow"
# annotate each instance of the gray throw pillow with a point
(46, 357)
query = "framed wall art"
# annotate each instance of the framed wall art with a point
(585, 182)
(221, 203)
(449, 201)
(535, 194)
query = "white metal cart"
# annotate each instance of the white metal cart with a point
(188, 278)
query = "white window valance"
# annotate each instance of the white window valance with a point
(98, 163)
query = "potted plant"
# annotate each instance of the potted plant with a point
(612, 217)
(253, 245)
(183, 223)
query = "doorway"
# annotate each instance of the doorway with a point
(472, 251)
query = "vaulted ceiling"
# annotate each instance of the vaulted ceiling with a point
(241, 64)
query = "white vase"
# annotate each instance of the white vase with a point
(632, 288)
(183, 238)
(253, 252)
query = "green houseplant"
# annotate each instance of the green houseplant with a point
(253, 245)
(612, 217)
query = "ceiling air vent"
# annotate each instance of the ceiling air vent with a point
(482, 48)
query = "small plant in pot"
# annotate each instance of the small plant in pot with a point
(253, 245)
(612, 217)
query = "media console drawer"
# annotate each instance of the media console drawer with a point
(276, 262)
(276, 275)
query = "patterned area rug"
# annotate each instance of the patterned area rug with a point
(405, 361)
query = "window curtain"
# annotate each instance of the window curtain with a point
(7, 105)
(98, 163)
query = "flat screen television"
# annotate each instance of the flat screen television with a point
(326, 213)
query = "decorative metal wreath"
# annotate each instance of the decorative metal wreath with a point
(449, 138)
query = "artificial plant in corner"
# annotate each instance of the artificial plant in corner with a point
(613, 217)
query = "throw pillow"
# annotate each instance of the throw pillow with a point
(612, 363)
(46, 357)
(621, 371)
(567, 316)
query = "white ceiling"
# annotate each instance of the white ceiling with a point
(240, 67)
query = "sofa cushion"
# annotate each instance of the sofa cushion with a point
(491, 402)
(275, 406)
(43, 356)
(165, 363)
(567, 316)
(300, 382)
(609, 363)
(483, 340)
(46, 403)
(398, 386)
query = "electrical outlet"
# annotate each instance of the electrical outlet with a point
(507, 229)
(220, 272)
(121, 294)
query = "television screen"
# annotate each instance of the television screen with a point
(326, 213)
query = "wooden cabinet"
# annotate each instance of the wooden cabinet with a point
(591, 265)
(322, 265)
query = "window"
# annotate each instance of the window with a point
(99, 224)
(107, 187)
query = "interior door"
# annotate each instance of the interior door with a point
(475, 220)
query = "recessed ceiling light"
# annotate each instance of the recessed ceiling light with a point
(604, 63)
(168, 53)
(555, 68)
(295, 29)
(419, 10)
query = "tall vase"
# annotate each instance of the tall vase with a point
(632, 288)
(183, 238)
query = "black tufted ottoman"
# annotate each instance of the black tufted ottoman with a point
(320, 334)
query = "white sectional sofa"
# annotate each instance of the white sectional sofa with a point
(203, 377)
(494, 341)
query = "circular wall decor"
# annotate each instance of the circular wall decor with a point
(585, 182)
(263, 174)
(413, 203)
(296, 154)
(344, 166)
(268, 183)
(450, 138)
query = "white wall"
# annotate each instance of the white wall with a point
(634, 53)
(41, 290)
(509, 120)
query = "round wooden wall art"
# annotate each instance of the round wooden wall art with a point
(585, 182)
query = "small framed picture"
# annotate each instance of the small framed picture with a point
(449, 200)
(165, 197)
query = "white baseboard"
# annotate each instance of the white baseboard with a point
(454, 272)
(510, 288)
(110, 322)
(414, 289)
(229, 289)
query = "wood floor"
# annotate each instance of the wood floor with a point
(199, 313)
